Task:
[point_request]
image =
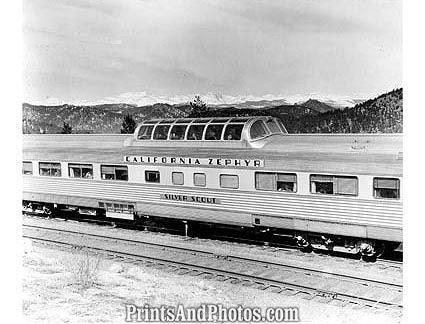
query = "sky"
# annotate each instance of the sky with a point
(145, 51)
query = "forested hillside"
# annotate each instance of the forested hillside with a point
(92, 119)
(383, 114)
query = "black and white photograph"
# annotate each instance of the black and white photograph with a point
(211, 161)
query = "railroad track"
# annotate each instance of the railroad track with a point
(389, 262)
(276, 276)
(258, 246)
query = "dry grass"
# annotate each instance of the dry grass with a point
(83, 267)
(53, 291)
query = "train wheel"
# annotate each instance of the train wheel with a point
(47, 210)
(380, 249)
(303, 243)
(370, 250)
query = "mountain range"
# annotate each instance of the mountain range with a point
(107, 118)
(141, 99)
(308, 116)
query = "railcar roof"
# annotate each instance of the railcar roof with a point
(300, 143)
(355, 153)
(198, 120)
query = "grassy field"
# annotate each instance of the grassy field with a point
(55, 291)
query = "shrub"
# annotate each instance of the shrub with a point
(83, 267)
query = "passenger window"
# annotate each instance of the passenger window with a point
(177, 132)
(199, 179)
(213, 132)
(161, 132)
(276, 181)
(178, 178)
(346, 186)
(274, 128)
(282, 128)
(229, 181)
(195, 132)
(27, 168)
(233, 132)
(80, 171)
(50, 169)
(107, 172)
(386, 188)
(145, 132)
(334, 185)
(152, 176)
(121, 173)
(322, 184)
(265, 181)
(286, 182)
(114, 172)
(258, 130)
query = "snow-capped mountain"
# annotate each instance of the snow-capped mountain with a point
(212, 99)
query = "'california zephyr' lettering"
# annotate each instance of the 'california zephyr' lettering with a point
(247, 163)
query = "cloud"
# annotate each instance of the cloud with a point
(106, 7)
(83, 50)
(295, 16)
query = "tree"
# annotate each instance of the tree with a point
(128, 125)
(198, 107)
(66, 128)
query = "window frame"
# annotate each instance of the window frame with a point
(172, 178)
(146, 126)
(188, 132)
(185, 126)
(213, 126)
(231, 126)
(205, 179)
(115, 173)
(281, 126)
(265, 128)
(153, 171)
(81, 166)
(270, 124)
(334, 184)
(275, 175)
(50, 169)
(23, 169)
(228, 175)
(161, 126)
(384, 178)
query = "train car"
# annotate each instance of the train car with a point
(332, 191)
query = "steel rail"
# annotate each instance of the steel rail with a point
(231, 239)
(265, 263)
(345, 297)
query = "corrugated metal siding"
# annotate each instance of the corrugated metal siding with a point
(192, 213)
(356, 211)
(60, 199)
